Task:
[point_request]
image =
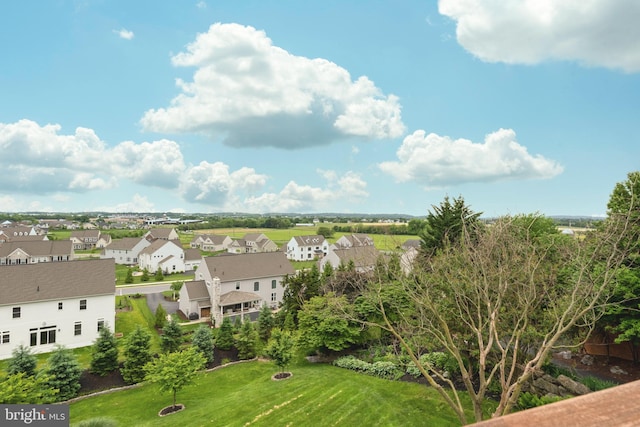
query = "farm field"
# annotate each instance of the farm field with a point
(244, 394)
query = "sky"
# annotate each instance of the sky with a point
(377, 107)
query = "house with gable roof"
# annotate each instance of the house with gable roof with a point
(252, 243)
(236, 285)
(161, 234)
(306, 248)
(211, 242)
(125, 251)
(32, 252)
(19, 233)
(364, 258)
(352, 240)
(84, 239)
(167, 255)
(55, 303)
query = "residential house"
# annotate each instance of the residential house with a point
(352, 240)
(364, 258)
(211, 242)
(192, 259)
(306, 248)
(125, 251)
(252, 243)
(32, 252)
(167, 255)
(161, 234)
(103, 241)
(55, 303)
(19, 234)
(84, 240)
(237, 285)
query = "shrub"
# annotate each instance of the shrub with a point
(436, 359)
(529, 400)
(381, 369)
(597, 384)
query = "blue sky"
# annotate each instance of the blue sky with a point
(333, 106)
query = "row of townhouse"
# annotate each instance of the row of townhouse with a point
(55, 303)
(32, 252)
(84, 240)
(251, 243)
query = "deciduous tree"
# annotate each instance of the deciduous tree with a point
(281, 348)
(173, 371)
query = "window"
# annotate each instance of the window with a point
(273, 284)
(274, 296)
(237, 286)
(59, 306)
(83, 304)
(4, 337)
(77, 328)
(48, 335)
(34, 336)
(256, 286)
(100, 324)
(16, 312)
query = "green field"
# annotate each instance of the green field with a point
(244, 394)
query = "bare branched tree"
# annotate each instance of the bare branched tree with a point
(499, 301)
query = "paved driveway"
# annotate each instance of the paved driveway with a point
(154, 299)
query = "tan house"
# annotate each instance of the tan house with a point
(211, 242)
(32, 252)
(252, 243)
(19, 234)
(84, 240)
(161, 234)
(364, 258)
(237, 285)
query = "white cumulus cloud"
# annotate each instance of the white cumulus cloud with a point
(348, 189)
(439, 161)
(249, 92)
(124, 34)
(601, 33)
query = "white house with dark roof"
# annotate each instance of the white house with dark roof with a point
(237, 285)
(167, 255)
(192, 259)
(55, 303)
(364, 258)
(125, 251)
(32, 252)
(307, 248)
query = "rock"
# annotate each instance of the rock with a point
(573, 387)
(587, 359)
(545, 386)
(565, 354)
(617, 370)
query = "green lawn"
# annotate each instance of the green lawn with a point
(139, 314)
(121, 274)
(244, 394)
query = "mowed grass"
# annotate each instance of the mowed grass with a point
(245, 395)
(139, 314)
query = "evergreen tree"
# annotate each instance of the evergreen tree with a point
(203, 342)
(104, 354)
(137, 352)
(129, 278)
(446, 223)
(246, 341)
(145, 275)
(64, 373)
(22, 361)
(224, 340)
(158, 276)
(171, 338)
(265, 323)
(160, 317)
